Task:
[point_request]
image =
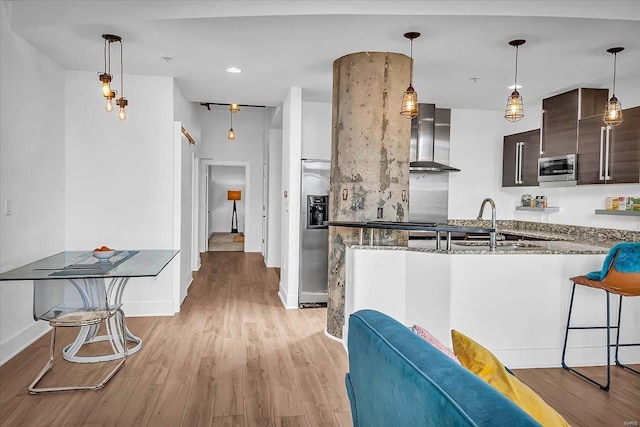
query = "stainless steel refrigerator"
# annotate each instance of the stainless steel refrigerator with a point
(314, 233)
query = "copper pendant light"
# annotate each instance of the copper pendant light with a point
(613, 111)
(515, 108)
(409, 107)
(106, 77)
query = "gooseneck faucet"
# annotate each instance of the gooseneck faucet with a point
(492, 235)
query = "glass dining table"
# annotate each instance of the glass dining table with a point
(74, 282)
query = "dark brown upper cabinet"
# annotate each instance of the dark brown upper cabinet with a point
(520, 159)
(609, 155)
(560, 116)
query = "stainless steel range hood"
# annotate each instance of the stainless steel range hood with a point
(430, 140)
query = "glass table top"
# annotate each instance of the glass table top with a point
(82, 264)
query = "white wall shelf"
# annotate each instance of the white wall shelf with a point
(621, 213)
(548, 209)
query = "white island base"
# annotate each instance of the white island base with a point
(515, 305)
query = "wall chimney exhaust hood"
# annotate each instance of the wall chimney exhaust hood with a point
(430, 140)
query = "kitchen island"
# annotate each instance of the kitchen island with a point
(513, 300)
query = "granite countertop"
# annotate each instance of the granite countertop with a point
(504, 247)
(541, 238)
(412, 226)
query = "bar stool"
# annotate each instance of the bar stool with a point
(620, 275)
(84, 304)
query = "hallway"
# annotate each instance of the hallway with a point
(233, 356)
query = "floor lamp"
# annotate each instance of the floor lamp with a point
(234, 195)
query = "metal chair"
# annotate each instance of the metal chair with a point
(620, 275)
(81, 304)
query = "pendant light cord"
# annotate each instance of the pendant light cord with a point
(121, 73)
(411, 68)
(615, 58)
(231, 113)
(515, 80)
(105, 56)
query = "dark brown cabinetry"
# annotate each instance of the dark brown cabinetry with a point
(560, 116)
(609, 155)
(520, 159)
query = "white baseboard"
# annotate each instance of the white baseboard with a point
(552, 357)
(16, 344)
(148, 308)
(289, 301)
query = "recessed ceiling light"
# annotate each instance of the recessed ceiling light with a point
(234, 70)
(514, 87)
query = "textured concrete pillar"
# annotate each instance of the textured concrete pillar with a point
(369, 159)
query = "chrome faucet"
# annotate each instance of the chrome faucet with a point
(492, 235)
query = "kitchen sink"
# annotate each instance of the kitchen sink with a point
(506, 244)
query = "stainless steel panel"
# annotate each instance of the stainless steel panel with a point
(314, 245)
(429, 197)
(441, 133)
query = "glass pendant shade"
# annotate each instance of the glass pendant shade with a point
(409, 103)
(515, 108)
(231, 135)
(613, 112)
(109, 107)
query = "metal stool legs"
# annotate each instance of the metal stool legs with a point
(120, 321)
(608, 328)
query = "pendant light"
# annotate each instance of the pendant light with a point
(231, 135)
(613, 111)
(515, 108)
(234, 108)
(106, 77)
(122, 101)
(409, 107)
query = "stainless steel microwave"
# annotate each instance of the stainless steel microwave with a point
(557, 169)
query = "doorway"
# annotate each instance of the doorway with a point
(226, 195)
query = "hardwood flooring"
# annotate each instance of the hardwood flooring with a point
(234, 357)
(225, 242)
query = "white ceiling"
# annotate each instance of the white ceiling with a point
(280, 44)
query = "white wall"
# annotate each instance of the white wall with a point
(185, 114)
(274, 257)
(316, 130)
(31, 176)
(291, 154)
(120, 178)
(247, 147)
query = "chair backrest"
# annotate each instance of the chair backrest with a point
(621, 269)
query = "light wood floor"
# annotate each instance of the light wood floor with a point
(224, 242)
(234, 357)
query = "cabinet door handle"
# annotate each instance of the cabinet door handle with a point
(541, 131)
(515, 178)
(521, 149)
(606, 155)
(602, 129)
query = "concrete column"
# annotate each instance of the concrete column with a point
(369, 159)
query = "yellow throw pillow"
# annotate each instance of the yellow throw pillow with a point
(484, 364)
